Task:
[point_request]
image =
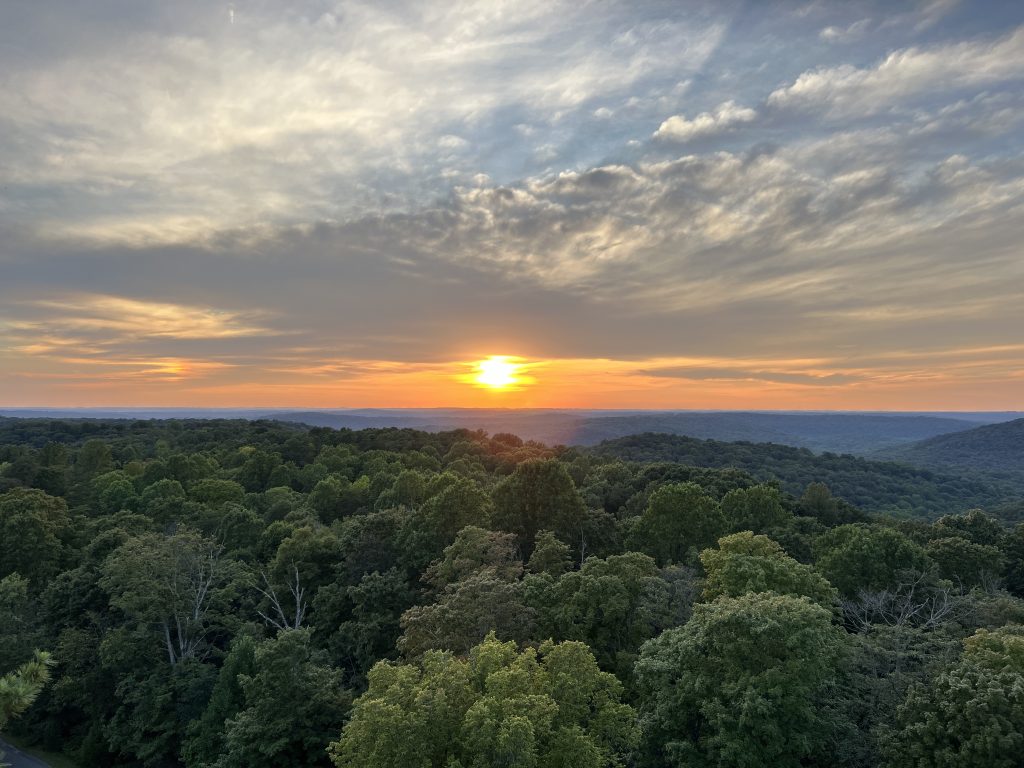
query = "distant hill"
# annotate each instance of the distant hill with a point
(876, 486)
(839, 432)
(992, 448)
(549, 427)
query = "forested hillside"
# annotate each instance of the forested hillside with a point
(234, 594)
(876, 486)
(993, 447)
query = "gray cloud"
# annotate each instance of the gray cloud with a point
(320, 185)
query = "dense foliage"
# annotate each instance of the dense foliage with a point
(219, 594)
(875, 486)
(994, 447)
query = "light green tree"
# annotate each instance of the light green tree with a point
(18, 689)
(736, 687)
(746, 563)
(550, 707)
(971, 715)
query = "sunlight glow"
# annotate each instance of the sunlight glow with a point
(497, 372)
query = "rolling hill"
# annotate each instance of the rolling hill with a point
(990, 448)
(874, 486)
(859, 433)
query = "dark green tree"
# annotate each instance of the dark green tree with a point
(866, 557)
(294, 705)
(680, 521)
(32, 524)
(758, 509)
(540, 494)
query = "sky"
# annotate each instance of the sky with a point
(640, 204)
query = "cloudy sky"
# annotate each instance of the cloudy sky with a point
(649, 203)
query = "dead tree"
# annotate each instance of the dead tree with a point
(277, 616)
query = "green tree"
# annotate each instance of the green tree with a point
(18, 620)
(818, 502)
(964, 562)
(975, 525)
(613, 605)
(540, 494)
(458, 503)
(31, 526)
(746, 563)
(737, 685)
(294, 705)
(464, 613)
(971, 715)
(360, 623)
(855, 557)
(1013, 548)
(179, 587)
(550, 707)
(214, 492)
(680, 521)
(18, 689)
(206, 742)
(550, 555)
(758, 509)
(476, 550)
(305, 561)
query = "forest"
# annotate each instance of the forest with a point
(248, 594)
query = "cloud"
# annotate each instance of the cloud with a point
(331, 193)
(845, 34)
(147, 319)
(904, 75)
(182, 124)
(726, 116)
(697, 373)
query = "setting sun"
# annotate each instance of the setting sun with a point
(497, 372)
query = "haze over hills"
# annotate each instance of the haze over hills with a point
(993, 448)
(839, 432)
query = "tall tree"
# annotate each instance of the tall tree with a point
(294, 705)
(680, 521)
(180, 585)
(746, 563)
(972, 715)
(540, 494)
(736, 687)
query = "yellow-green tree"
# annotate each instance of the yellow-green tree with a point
(550, 707)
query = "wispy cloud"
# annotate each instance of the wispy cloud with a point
(904, 75)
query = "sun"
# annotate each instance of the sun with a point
(497, 372)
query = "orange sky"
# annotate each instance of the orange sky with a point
(970, 381)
